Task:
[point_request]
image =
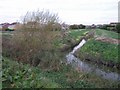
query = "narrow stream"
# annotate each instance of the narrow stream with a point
(89, 68)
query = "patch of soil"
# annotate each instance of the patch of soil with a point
(109, 40)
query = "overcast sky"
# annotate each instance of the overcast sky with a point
(69, 11)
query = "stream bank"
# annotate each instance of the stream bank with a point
(86, 67)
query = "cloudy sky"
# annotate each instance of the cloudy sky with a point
(69, 11)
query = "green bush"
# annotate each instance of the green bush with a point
(118, 27)
(75, 26)
(9, 29)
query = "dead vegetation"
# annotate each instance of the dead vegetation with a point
(108, 40)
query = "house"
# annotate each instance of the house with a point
(12, 26)
(8, 26)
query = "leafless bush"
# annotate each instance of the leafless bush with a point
(34, 41)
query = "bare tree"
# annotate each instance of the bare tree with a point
(36, 36)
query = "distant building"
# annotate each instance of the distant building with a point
(6, 26)
(12, 26)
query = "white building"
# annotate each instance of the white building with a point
(12, 27)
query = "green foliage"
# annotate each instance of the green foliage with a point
(77, 26)
(104, 27)
(9, 29)
(101, 50)
(24, 76)
(97, 50)
(18, 75)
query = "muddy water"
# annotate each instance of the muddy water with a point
(89, 68)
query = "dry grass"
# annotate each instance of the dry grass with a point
(109, 40)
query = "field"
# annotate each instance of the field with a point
(52, 72)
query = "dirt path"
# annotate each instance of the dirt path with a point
(109, 40)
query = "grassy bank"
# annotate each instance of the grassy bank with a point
(102, 52)
(71, 39)
(76, 34)
(98, 32)
(18, 75)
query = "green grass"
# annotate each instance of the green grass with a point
(109, 34)
(72, 36)
(76, 34)
(99, 32)
(105, 51)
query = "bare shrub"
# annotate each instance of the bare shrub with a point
(34, 41)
